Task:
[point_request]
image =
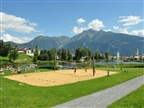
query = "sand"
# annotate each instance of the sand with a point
(59, 77)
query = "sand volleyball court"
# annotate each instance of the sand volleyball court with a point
(59, 77)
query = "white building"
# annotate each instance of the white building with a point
(142, 56)
(29, 52)
(137, 56)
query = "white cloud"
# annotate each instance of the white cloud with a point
(16, 24)
(125, 31)
(78, 30)
(41, 34)
(116, 27)
(130, 20)
(121, 30)
(80, 21)
(107, 30)
(138, 32)
(32, 24)
(8, 37)
(94, 24)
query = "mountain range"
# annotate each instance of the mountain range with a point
(95, 40)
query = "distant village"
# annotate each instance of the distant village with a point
(27, 51)
(135, 56)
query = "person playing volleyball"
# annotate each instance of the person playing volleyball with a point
(75, 70)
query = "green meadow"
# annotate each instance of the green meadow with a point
(132, 100)
(20, 95)
(22, 59)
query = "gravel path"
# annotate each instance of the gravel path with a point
(105, 97)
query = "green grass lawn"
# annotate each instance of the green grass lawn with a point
(14, 95)
(3, 58)
(23, 58)
(132, 100)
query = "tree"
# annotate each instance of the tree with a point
(102, 56)
(59, 53)
(50, 55)
(43, 52)
(13, 55)
(112, 58)
(84, 53)
(36, 54)
(78, 53)
(43, 55)
(97, 55)
(89, 53)
(69, 55)
(1, 44)
(5, 49)
(106, 56)
(64, 54)
(53, 51)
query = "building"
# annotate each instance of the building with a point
(141, 56)
(137, 56)
(27, 51)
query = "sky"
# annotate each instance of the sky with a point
(23, 20)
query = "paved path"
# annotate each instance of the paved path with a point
(105, 97)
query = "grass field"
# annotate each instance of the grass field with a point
(4, 58)
(132, 100)
(22, 58)
(15, 94)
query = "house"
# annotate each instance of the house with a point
(126, 57)
(21, 50)
(27, 51)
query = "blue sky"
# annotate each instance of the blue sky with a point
(23, 20)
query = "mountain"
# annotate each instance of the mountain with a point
(46, 42)
(95, 40)
(107, 41)
(10, 42)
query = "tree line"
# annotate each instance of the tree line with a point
(66, 54)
